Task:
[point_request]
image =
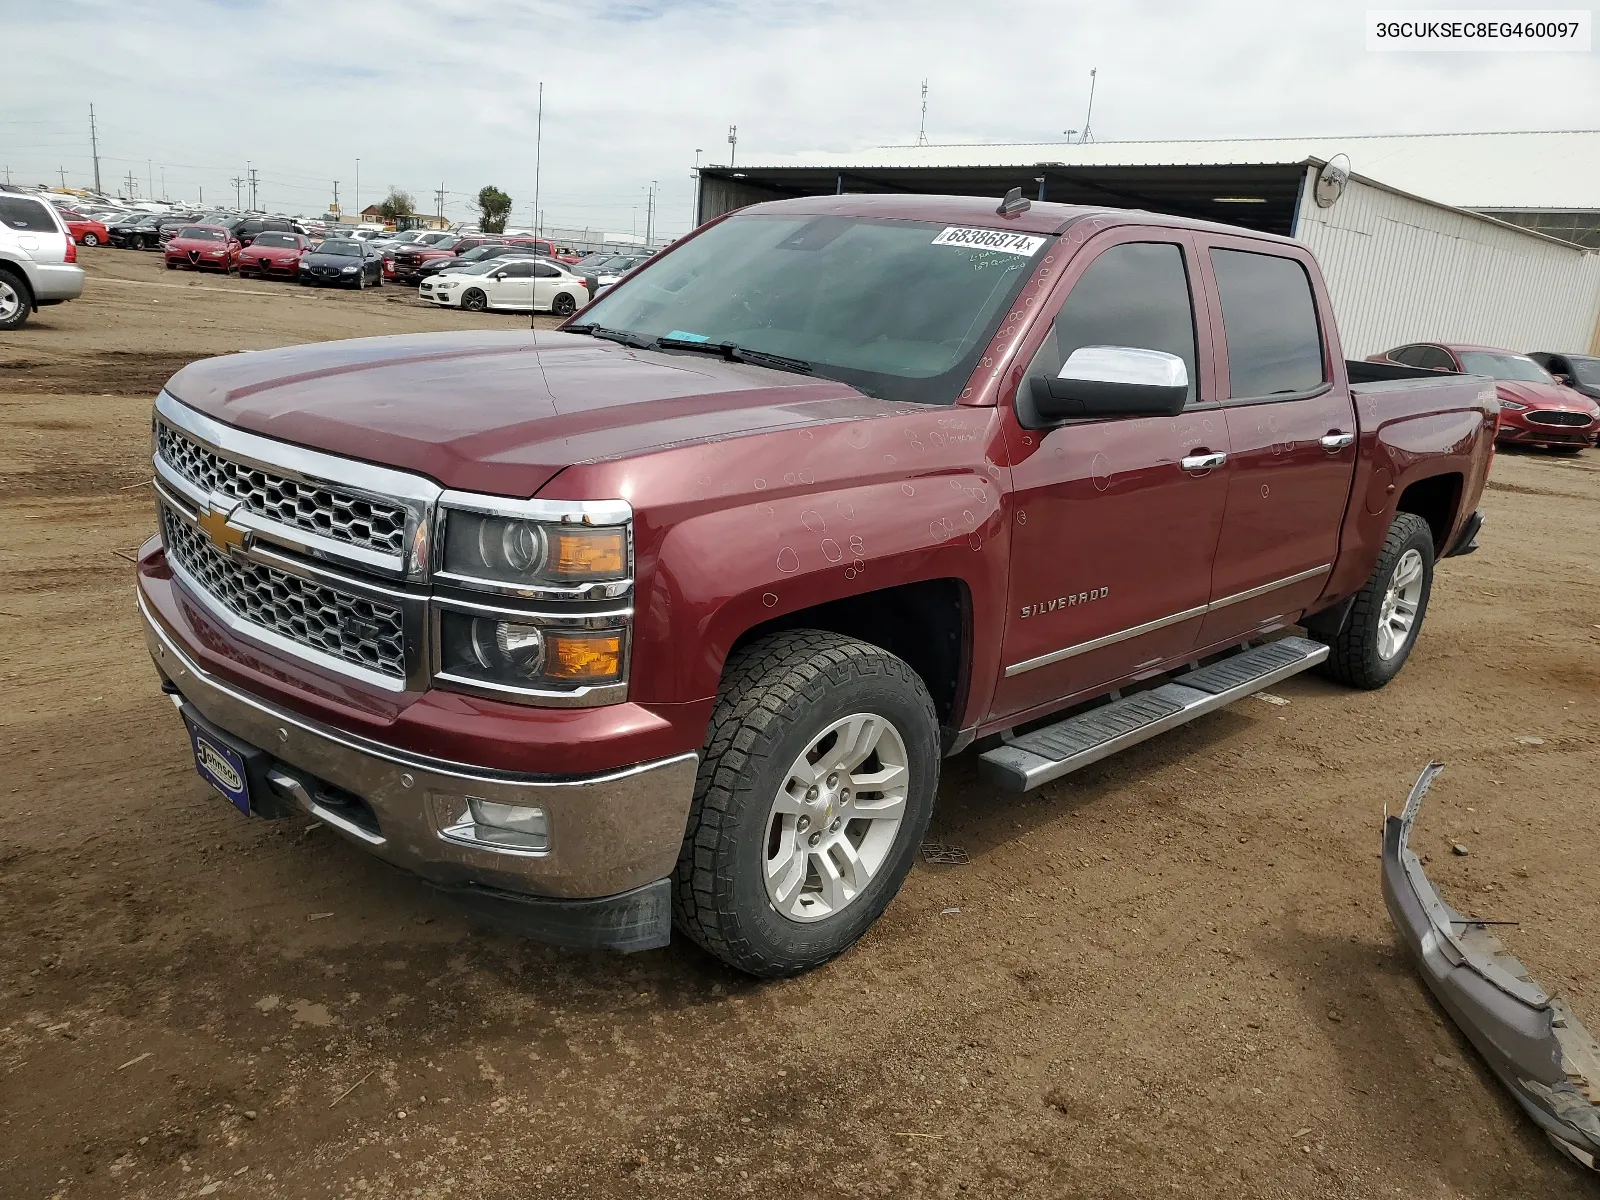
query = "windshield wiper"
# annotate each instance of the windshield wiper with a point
(739, 354)
(637, 341)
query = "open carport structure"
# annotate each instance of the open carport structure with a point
(1404, 240)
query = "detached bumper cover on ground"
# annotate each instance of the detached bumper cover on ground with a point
(1549, 1061)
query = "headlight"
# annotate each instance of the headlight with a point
(527, 554)
(348, 270)
(1513, 406)
(533, 652)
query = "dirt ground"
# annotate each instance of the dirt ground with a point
(1171, 975)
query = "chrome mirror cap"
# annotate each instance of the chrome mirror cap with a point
(1127, 365)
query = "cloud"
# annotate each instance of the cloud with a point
(446, 93)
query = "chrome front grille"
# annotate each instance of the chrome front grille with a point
(326, 511)
(350, 628)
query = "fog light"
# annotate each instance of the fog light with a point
(510, 825)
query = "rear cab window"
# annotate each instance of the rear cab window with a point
(1270, 326)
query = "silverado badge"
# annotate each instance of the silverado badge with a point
(213, 523)
(1045, 606)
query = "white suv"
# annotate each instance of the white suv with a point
(38, 259)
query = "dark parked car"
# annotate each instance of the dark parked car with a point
(137, 231)
(466, 259)
(343, 261)
(246, 228)
(1580, 372)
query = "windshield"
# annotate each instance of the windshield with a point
(1515, 367)
(899, 309)
(275, 239)
(199, 233)
(344, 249)
(478, 268)
(1585, 370)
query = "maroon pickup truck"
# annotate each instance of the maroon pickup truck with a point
(667, 618)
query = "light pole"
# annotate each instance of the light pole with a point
(733, 142)
(694, 200)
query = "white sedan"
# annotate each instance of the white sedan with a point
(515, 285)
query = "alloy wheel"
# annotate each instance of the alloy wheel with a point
(835, 817)
(1400, 603)
(10, 300)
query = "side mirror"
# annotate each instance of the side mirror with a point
(1108, 381)
(497, 276)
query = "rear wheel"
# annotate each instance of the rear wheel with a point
(474, 300)
(1386, 617)
(91, 239)
(816, 787)
(14, 305)
(563, 305)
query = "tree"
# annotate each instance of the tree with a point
(495, 206)
(397, 205)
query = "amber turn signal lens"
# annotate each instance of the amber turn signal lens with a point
(586, 658)
(590, 553)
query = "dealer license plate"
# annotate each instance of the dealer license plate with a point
(222, 767)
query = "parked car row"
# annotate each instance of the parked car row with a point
(1546, 399)
(348, 262)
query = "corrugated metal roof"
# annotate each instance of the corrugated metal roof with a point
(1548, 170)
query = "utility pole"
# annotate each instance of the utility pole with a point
(440, 195)
(238, 183)
(733, 142)
(202, 196)
(62, 171)
(922, 132)
(94, 145)
(356, 203)
(538, 156)
(250, 178)
(150, 178)
(133, 191)
(1088, 135)
(164, 183)
(694, 200)
(650, 216)
(335, 208)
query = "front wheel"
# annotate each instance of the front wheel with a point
(91, 239)
(474, 300)
(814, 792)
(1386, 617)
(563, 305)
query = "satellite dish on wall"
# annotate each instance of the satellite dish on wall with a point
(1331, 180)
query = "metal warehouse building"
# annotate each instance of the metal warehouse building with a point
(1491, 238)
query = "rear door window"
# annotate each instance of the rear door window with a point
(1408, 356)
(1434, 359)
(30, 215)
(1134, 294)
(1270, 324)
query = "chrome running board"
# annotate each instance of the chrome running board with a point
(1049, 753)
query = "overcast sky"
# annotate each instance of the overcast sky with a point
(445, 91)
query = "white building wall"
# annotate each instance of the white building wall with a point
(1402, 270)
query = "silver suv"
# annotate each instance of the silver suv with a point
(38, 259)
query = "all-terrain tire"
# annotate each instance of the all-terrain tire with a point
(777, 694)
(17, 303)
(1355, 657)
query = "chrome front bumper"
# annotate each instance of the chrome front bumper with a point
(608, 833)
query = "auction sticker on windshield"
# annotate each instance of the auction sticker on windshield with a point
(1006, 242)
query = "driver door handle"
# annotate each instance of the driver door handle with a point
(1336, 440)
(1204, 460)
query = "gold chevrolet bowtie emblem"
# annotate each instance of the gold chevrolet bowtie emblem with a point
(225, 537)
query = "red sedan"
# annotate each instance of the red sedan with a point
(274, 254)
(85, 230)
(203, 248)
(1535, 410)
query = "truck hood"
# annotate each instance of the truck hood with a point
(502, 412)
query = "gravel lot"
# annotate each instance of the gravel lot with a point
(1171, 975)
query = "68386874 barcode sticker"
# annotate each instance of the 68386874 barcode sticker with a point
(1003, 240)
